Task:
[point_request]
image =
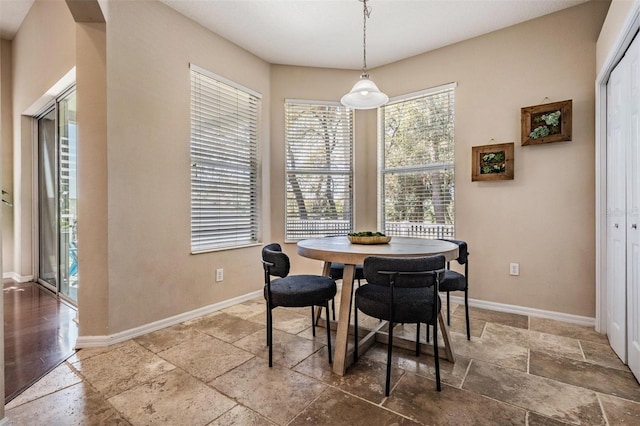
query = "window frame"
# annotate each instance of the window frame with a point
(253, 212)
(300, 102)
(382, 171)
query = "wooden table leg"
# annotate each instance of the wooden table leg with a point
(326, 269)
(445, 336)
(342, 334)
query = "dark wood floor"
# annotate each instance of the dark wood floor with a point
(39, 333)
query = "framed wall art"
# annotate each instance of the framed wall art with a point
(492, 162)
(546, 123)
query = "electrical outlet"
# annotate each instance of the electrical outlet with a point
(219, 275)
(514, 269)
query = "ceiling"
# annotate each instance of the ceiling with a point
(328, 33)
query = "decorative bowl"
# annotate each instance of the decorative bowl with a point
(375, 239)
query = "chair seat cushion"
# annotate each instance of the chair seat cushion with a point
(452, 281)
(301, 290)
(337, 271)
(412, 305)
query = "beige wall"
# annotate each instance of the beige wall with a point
(140, 172)
(134, 241)
(93, 243)
(544, 218)
(152, 274)
(43, 52)
(616, 17)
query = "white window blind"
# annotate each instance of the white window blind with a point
(319, 170)
(224, 188)
(416, 180)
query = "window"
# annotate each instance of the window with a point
(224, 188)
(416, 181)
(319, 171)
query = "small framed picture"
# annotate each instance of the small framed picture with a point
(546, 123)
(492, 162)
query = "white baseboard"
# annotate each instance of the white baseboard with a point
(16, 277)
(523, 310)
(101, 341)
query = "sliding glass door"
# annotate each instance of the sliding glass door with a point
(57, 198)
(48, 200)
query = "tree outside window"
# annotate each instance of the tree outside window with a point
(416, 171)
(319, 172)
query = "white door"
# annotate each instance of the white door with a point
(632, 153)
(617, 100)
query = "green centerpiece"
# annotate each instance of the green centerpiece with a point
(368, 237)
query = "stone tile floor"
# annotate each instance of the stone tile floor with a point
(516, 370)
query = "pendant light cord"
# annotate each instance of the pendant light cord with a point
(364, 94)
(366, 14)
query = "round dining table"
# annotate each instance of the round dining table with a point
(341, 250)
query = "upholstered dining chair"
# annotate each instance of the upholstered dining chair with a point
(293, 291)
(401, 290)
(455, 281)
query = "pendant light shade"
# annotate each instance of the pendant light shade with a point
(364, 94)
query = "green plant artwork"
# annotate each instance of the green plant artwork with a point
(546, 124)
(493, 162)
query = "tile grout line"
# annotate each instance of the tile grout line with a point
(604, 414)
(100, 394)
(305, 407)
(176, 368)
(491, 398)
(371, 402)
(584, 357)
(529, 410)
(235, 400)
(466, 373)
(346, 392)
(41, 396)
(484, 328)
(237, 403)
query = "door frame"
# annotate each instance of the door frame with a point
(625, 36)
(51, 105)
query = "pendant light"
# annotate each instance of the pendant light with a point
(364, 94)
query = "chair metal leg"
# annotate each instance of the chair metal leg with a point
(418, 338)
(333, 308)
(267, 328)
(390, 348)
(270, 336)
(448, 310)
(355, 331)
(466, 311)
(435, 353)
(313, 322)
(328, 334)
(428, 337)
